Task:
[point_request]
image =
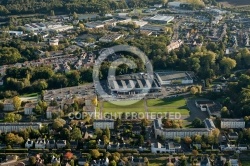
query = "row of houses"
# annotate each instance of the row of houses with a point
(41, 143)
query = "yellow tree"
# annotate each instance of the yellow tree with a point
(95, 101)
(16, 102)
(193, 90)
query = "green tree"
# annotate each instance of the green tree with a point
(98, 132)
(76, 134)
(13, 138)
(141, 140)
(228, 64)
(197, 123)
(107, 132)
(32, 160)
(75, 16)
(65, 134)
(95, 153)
(58, 123)
(9, 55)
(177, 139)
(11, 117)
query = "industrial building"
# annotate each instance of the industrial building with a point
(110, 37)
(161, 19)
(168, 78)
(38, 27)
(133, 83)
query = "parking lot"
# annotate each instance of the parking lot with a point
(68, 93)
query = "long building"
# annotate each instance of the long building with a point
(171, 133)
(180, 77)
(133, 83)
(9, 127)
(161, 19)
(103, 124)
(232, 123)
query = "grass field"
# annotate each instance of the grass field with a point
(169, 102)
(182, 111)
(172, 105)
(245, 163)
(124, 104)
(30, 95)
(121, 110)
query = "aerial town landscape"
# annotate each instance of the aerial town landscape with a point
(124, 83)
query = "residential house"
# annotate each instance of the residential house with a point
(227, 147)
(205, 162)
(211, 107)
(29, 144)
(234, 162)
(8, 105)
(55, 160)
(100, 144)
(51, 144)
(169, 147)
(242, 147)
(61, 144)
(82, 161)
(66, 68)
(136, 130)
(136, 161)
(103, 124)
(113, 146)
(52, 111)
(100, 162)
(158, 148)
(73, 144)
(174, 45)
(1, 81)
(39, 160)
(28, 108)
(121, 163)
(40, 143)
(233, 136)
(232, 123)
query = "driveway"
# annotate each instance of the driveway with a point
(194, 111)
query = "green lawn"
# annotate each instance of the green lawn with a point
(157, 161)
(30, 95)
(245, 163)
(170, 102)
(183, 111)
(125, 104)
(120, 110)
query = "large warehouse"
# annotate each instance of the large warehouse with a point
(161, 19)
(133, 83)
(168, 78)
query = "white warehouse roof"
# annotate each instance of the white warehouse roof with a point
(162, 18)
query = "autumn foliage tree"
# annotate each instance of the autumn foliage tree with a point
(68, 156)
(17, 103)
